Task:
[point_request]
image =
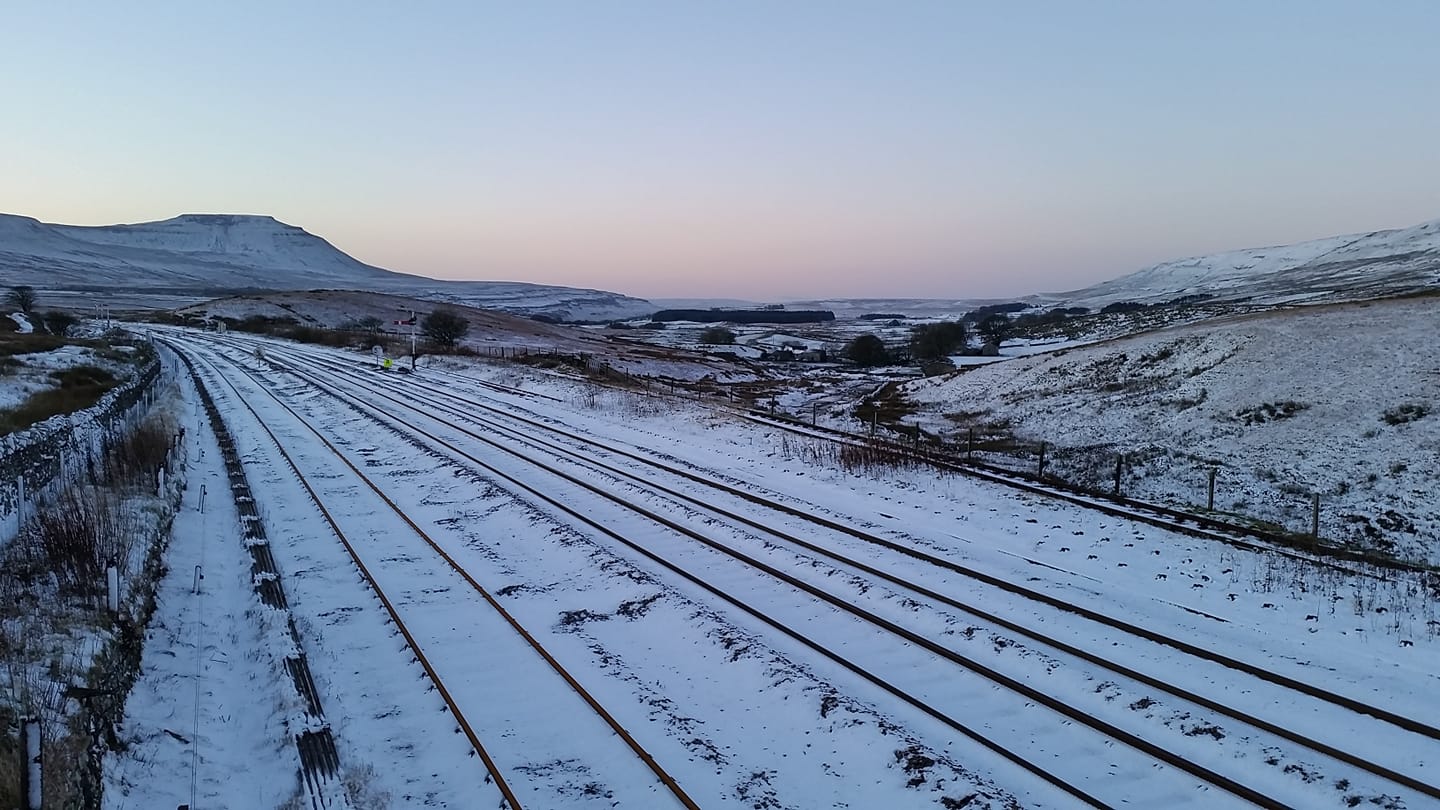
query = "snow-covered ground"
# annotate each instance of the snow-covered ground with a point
(743, 714)
(208, 704)
(30, 372)
(1342, 400)
(1336, 268)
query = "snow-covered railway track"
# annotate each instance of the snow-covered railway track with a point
(586, 456)
(1158, 751)
(583, 447)
(427, 662)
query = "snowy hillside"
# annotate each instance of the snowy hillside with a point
(213, 253)
(1338, 268)
(1339, 400)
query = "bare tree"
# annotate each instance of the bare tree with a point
(21, 298)
(995, 328)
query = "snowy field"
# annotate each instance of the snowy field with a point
(730, 636)
(1336, 400)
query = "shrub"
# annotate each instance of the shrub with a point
(134, 459)
(444, 328)
(57, 322)
(717, 336)
(78, 535)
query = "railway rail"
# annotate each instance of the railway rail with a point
(1194, 524)
(1141, 744)
(672, 786)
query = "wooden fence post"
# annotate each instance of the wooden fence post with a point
(31, 774)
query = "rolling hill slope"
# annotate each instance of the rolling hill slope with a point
(1339, 400)
(1339, 268)
(211, 254)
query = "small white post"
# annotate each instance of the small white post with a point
(199, 575)
(34, 776)
(202, 499)
(112, 584)
(160, 481)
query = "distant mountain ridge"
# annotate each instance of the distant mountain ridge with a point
(1356, 266)
(214, 254)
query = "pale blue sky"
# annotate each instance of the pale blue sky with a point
(744, 149)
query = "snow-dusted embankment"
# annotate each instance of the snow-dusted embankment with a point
(1343, 401)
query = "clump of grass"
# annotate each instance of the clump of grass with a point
(1270, 412)
(78, 535)
(77, 388)
(134, 459)
(12, 343)
(1404, 414)
(874, 458)
(83, 377)
(1160, 355)
(554, 361)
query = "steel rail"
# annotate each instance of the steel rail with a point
(665, 778)
(1313, 744)
(1103, 727)
(1394, 718)
(469, 731)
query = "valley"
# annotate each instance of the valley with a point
(723, 564)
